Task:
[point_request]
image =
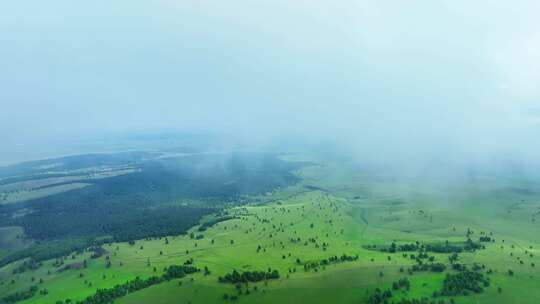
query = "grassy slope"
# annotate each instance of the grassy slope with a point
(367, 212)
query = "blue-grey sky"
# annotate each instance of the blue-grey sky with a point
(408, 78)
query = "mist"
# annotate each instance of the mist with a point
(394, 83)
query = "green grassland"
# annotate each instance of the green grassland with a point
(334, 211)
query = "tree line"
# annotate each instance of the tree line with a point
(108, 295)
(20, 295)
(446, 247)
(249, 276)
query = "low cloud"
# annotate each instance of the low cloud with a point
(412, 83)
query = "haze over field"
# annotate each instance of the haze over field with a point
(281, 151)
(408, 81)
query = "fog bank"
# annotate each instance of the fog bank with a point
(411, 83)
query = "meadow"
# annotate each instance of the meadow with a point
(304, 230)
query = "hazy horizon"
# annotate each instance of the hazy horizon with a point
(450, 81)
(274, 151)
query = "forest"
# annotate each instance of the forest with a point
(165, 196)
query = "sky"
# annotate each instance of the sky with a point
(403, 80)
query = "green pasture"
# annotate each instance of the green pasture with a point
(347, 212)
